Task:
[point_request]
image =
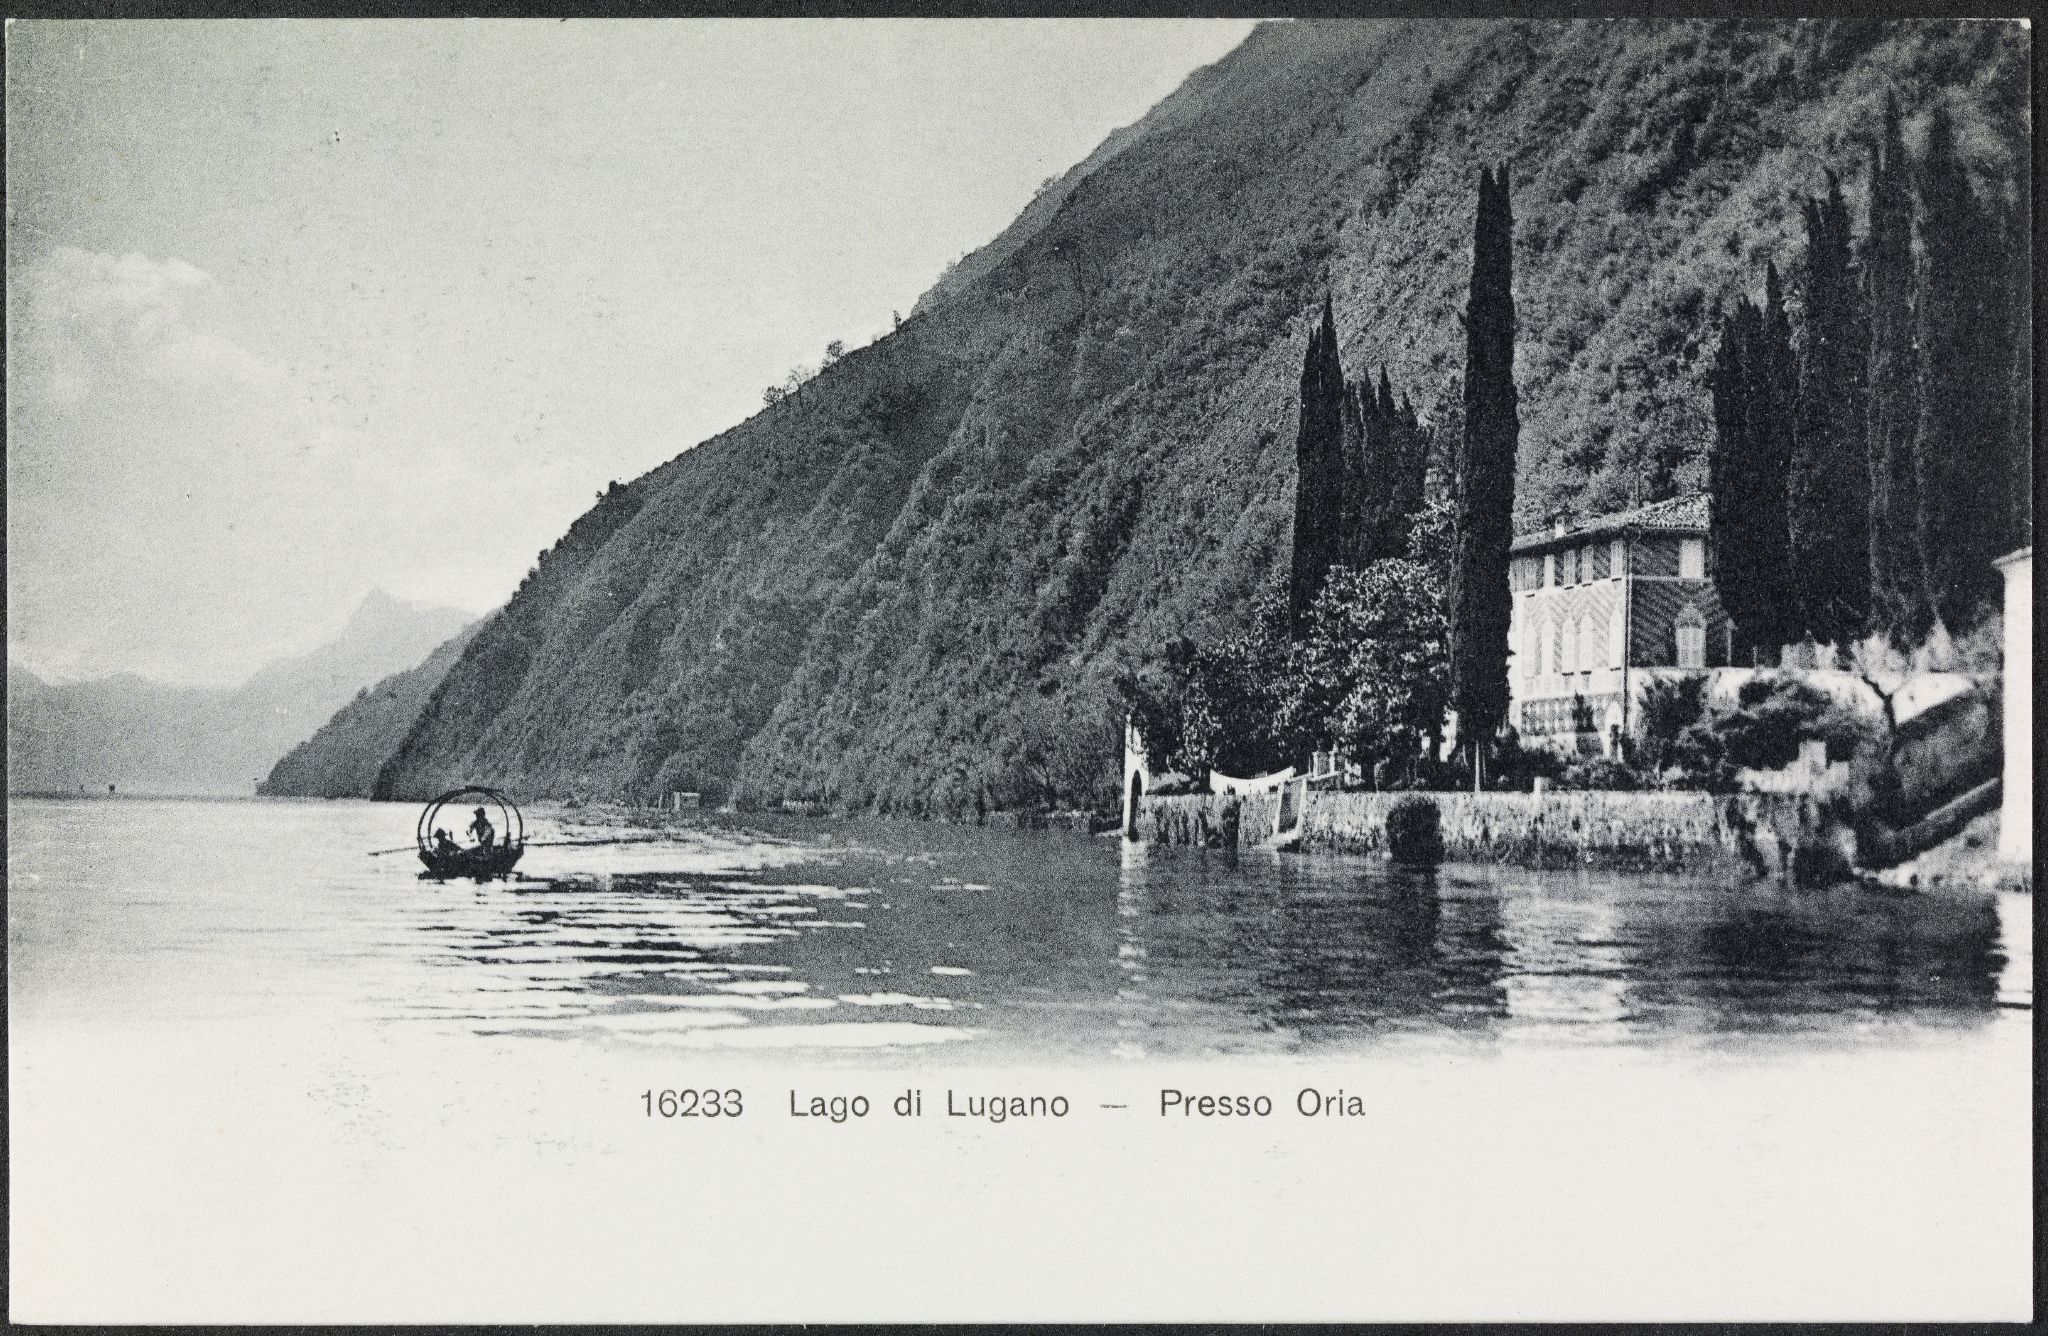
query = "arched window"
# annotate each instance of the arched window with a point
(1690, 628)
(1556, 657)
(1531, 645)
(1617, 633)
(1568, 656)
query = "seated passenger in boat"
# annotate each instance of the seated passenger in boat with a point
(445, 843)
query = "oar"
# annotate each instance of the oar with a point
(544, 844)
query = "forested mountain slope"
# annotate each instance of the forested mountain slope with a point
(343, 758)
(911, 583)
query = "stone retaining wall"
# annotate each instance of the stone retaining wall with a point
(1750, 834)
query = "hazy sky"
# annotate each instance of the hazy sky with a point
(298, 309)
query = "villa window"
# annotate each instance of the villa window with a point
(1570, 573)
(1568, 657)
(1617, 560)
(1549, 569)
(1532, 649)
(1617, 633)
(1692, 559)
(1691, 633)
(1556, 663)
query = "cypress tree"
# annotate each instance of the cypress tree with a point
(1753, 384)
(1417, 465)
(1356, 520)
(1960, 454)
(1370, 539)
(1828, 485)
(1731, 468)
(1393, 461)
(1727, 459)
(1772, 401)
(1407, 465)
(1484, 485)
(1319, 471)
(1898, 590)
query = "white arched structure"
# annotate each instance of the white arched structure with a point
(1137, 777)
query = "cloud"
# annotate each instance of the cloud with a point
(89, 320)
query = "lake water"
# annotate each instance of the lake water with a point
(258, 1076)
(873, 939)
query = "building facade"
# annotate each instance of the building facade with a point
(1601, 608)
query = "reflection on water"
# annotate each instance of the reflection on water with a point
(881, 936)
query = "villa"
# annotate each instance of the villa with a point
(1602, 607)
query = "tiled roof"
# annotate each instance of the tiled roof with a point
(1680, 512)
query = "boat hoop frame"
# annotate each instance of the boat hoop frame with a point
(508, 812)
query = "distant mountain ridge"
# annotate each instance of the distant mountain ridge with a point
(912, 584)
(146, 736)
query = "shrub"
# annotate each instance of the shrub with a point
(1698, 759)
(1433, 775)
(1516, 765)
(1600, 772)
(1772, 716)
(1669, 706)
(1414, 833)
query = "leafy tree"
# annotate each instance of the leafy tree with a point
(1233, 697)
(1828, 483)
(1319, 490)
(1485, 476)
(1369, 675)
(1433, 539)
(791, 383)
(1372, 675)
(1960, 452)
(1151, 698)
(1898, 587)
